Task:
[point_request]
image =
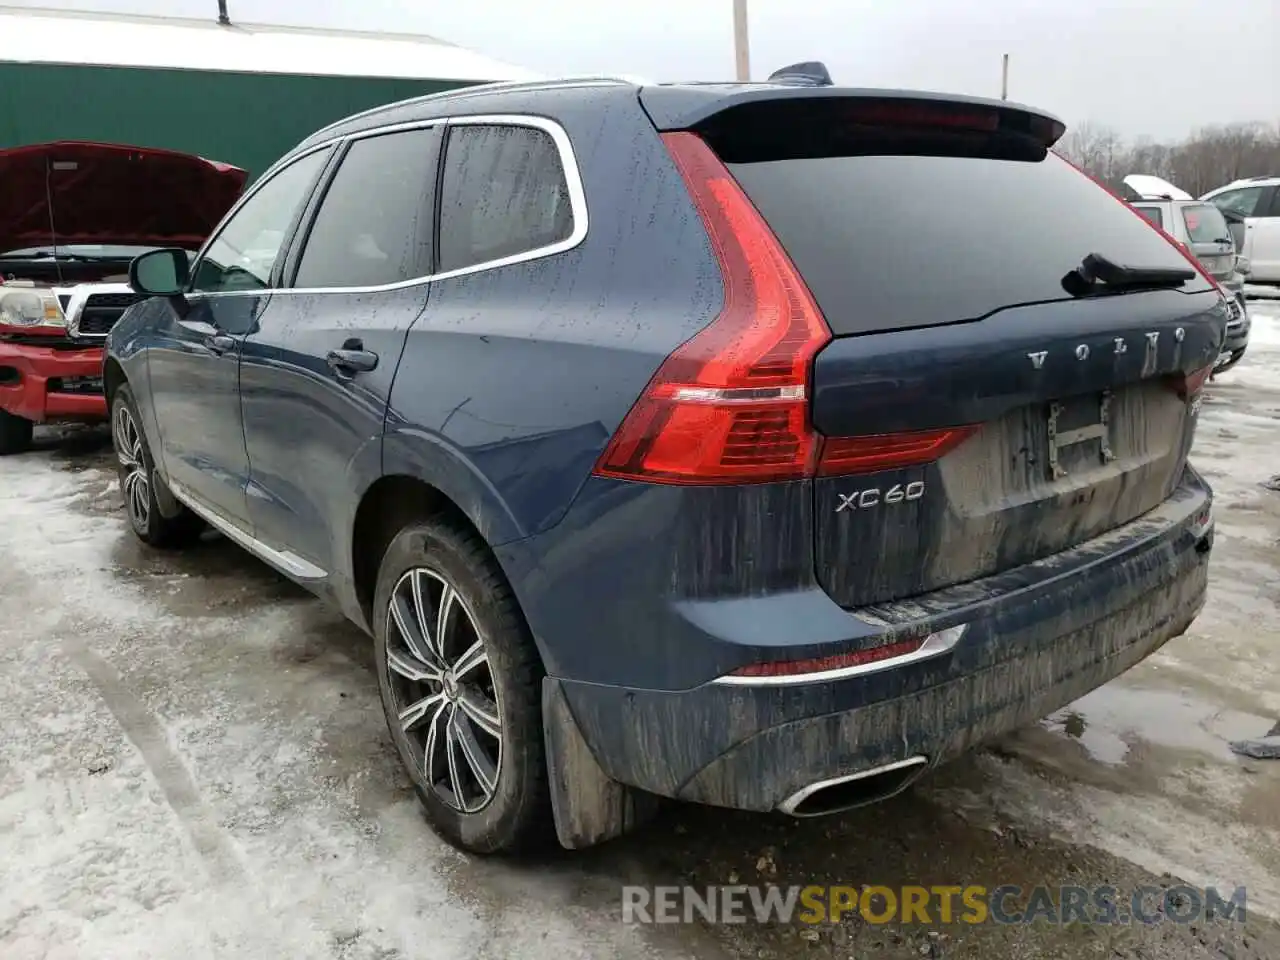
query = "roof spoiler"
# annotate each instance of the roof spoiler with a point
(811, 73)
(816, 106)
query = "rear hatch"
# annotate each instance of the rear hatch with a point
(940, 241)
(1210, 238)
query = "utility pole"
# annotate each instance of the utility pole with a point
(1004, 79)
(741, 44)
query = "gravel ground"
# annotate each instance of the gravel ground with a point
(194, 764)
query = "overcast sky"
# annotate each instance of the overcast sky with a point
(1145, 67)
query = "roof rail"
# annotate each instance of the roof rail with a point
(475, 88)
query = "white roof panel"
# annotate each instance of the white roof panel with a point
(53, 36)
(1154, 188)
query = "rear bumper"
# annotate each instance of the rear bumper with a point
(1037, 638)
(25, 375)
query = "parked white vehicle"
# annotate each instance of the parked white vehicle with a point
(1258, 201)
(1201, 229)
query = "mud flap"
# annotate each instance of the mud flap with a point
(589, 807)
(168, 504)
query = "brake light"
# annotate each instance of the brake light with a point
(907, 114)
(842, 456)
(731, 404)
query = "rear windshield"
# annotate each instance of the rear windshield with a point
(891, 242)
(1205, 223)
(1153, 214)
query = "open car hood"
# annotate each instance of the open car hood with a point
(73, 192)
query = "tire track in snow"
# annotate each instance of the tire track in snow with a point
(171, 775)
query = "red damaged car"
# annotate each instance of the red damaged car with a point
(72, 217)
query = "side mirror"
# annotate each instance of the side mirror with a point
(160, 273)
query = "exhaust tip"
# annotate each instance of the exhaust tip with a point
(839, 794)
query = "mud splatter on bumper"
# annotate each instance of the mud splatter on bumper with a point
(1029, 650)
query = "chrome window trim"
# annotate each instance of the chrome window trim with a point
(79, 299)
(568, 163)
(278, 167)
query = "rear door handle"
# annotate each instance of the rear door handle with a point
(220, 343)
(349, 360)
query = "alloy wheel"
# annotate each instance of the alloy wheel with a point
(443, 690)
(135, 481)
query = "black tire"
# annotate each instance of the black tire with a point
(15, 434)
(515, 814)
(1235, 358)
(137, 472)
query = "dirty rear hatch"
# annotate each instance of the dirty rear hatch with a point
(938, 248)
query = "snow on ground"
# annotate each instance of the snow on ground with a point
(185, 776)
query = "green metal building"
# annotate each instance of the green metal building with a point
(239, 93)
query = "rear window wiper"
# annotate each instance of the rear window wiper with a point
(1097, 275)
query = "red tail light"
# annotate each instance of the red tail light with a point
(848, 455)
(1188, 385)
(731, 404)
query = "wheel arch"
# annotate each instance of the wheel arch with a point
(391, 503)
(113, 376)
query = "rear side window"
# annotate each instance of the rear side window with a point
(503, 193)
(888, 242)
(1151, 213)
(374, 224)
(1205, 223)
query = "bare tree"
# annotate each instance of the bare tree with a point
(1209, 158)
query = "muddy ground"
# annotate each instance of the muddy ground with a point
(193, 763)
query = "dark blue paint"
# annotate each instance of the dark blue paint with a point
(976, 372)
(500, 390)
(195, 395)
(1046, 632)
(305, 423)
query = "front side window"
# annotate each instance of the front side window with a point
(1243, 202)
(244, 253)
(503, 193)
(374, 224)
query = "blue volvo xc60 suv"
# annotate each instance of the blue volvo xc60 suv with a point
(757, 445)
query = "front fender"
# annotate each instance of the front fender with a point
(126, 344)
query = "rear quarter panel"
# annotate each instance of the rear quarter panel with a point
(514, 379)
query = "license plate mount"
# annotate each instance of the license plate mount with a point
(1059, 438)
